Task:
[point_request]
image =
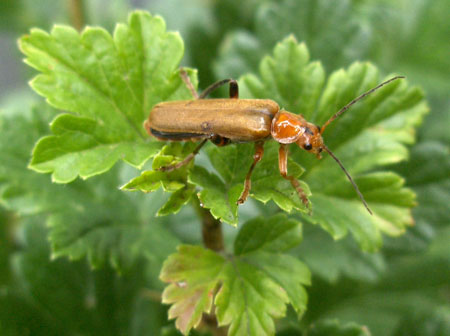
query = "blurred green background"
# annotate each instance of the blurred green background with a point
(404, 290)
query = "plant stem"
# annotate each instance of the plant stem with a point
(213, 240)
(211, 229)
(210, 321)
(76, 13)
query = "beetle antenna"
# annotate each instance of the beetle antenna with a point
(346, 107)
(349, 177)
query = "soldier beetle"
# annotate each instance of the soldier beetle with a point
(235, 120)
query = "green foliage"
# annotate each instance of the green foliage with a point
(175, 181)
(298, 85)
(428, 173)
(104, 85)
(91, 219)
(333, 327)
(335, 259)
(248, 288)
(334, 39)
(370, 135)
(233, 163)
(109, 84)
(44, 296)
(402, 294)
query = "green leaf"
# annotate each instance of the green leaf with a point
(332, 260)
(371, 135)
(428, 173)
(174, 182)
(268, 184)
(20, 189)
(267, 235)
(413, 289)
(335, 328)
(45, 295)
(435, 322)
(336, 34)
(7, 245)
(109, 84)
(248, 289)
(220, 194)
(86, 219)
(403, 28)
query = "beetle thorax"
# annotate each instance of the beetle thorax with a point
(288, 128)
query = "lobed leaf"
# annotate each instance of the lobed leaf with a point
(371, 135)
(248, 289)
(220, 194)
(108, 84)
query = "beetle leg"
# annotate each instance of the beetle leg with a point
(233, 88)
(259, 152)
(187, 81)
(186, 160)
(282, 165)
(220, 141)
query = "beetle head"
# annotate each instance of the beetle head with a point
(311, 140)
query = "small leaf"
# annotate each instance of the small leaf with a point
(176, 201)
(109, 84)
(216, 196)
(174, 181)
(192, 274)
(248, 289)
(221, 195)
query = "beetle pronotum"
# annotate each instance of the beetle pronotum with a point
(224, 121)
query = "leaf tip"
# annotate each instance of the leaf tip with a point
(291, 39)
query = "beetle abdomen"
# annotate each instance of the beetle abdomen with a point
(176, 136)
(235, 119)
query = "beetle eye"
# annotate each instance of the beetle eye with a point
(307, 147)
